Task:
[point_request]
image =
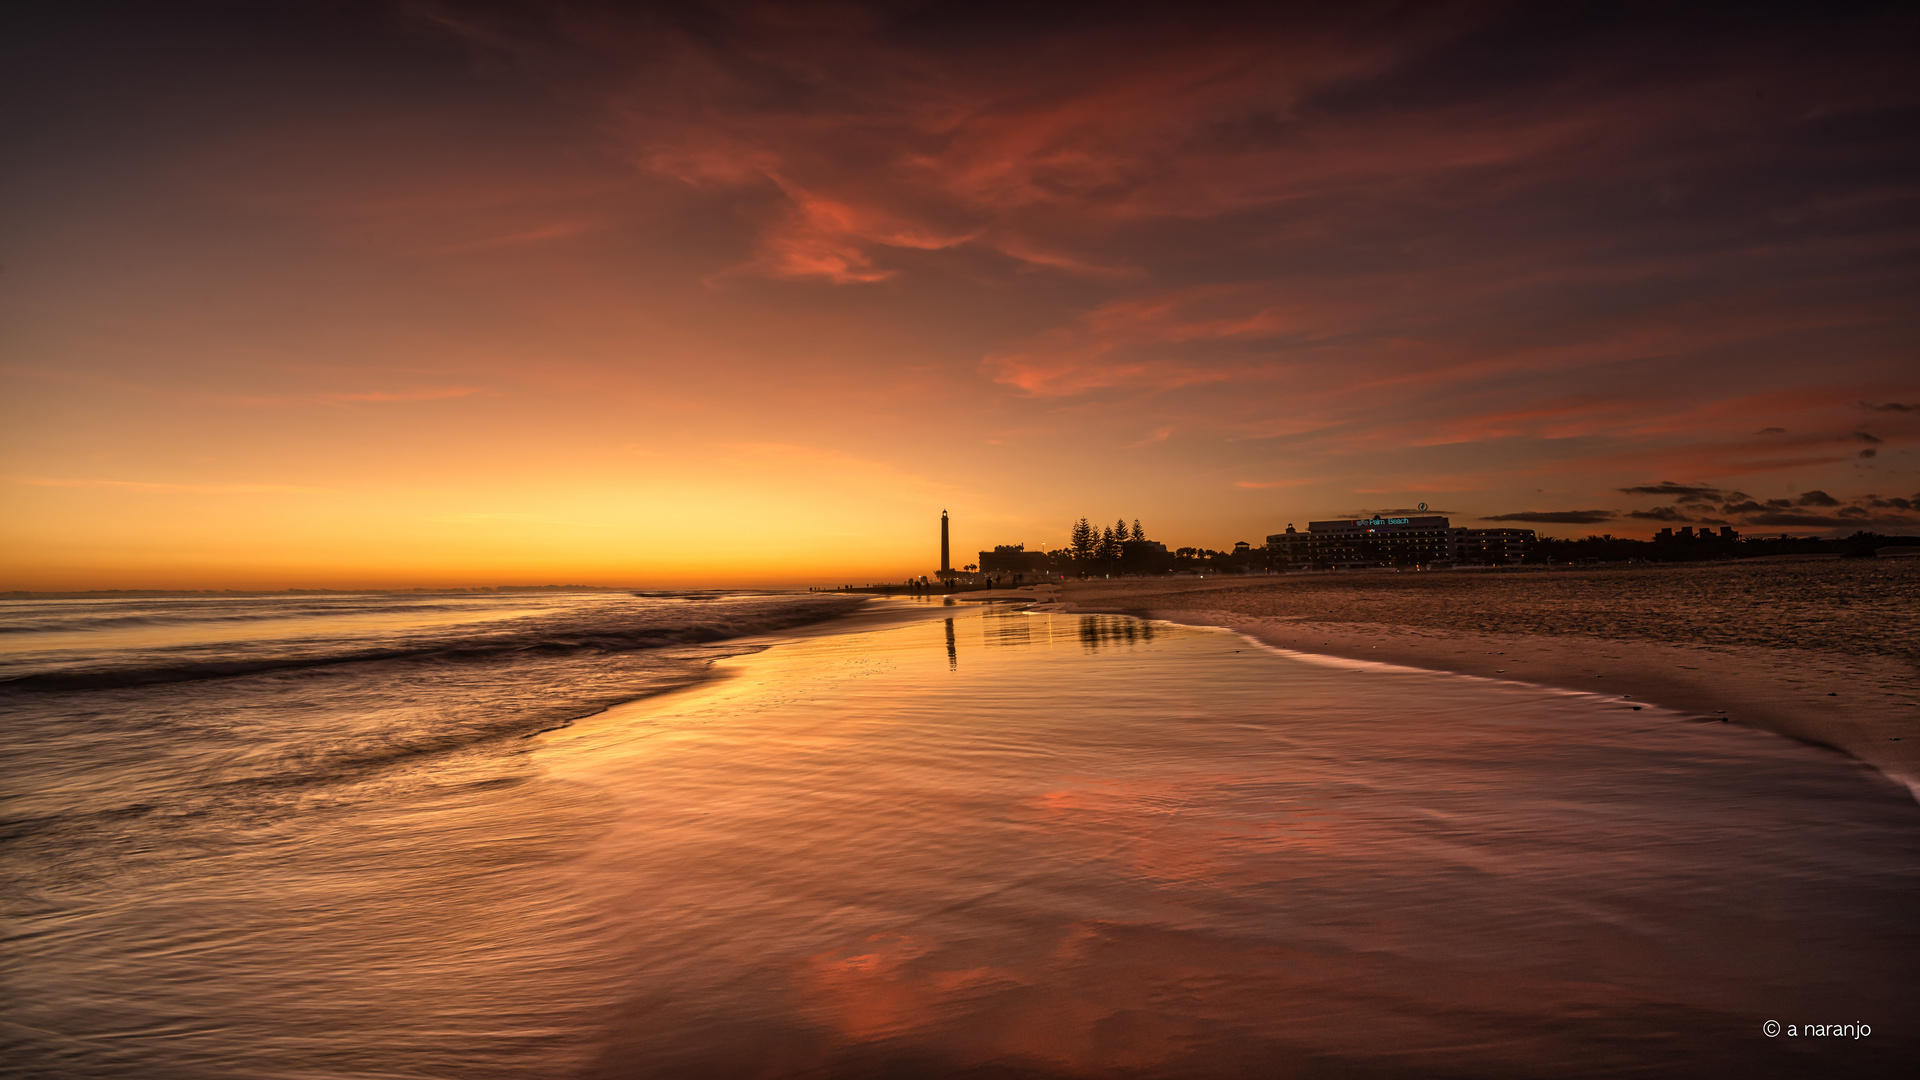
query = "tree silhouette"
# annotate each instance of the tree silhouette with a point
(1139, 534)
(1082, 541)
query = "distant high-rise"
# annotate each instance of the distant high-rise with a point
(1387, 541)
(946, 561)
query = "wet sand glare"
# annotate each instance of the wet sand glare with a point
(1029, 844)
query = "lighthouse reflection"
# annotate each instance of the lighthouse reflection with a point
(953, 654)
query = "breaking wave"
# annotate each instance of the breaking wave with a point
(606, 627)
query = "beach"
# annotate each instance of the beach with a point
(1823, 652)
(626, 835)
(1026, 844)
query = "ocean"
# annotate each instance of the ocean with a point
(551, 834)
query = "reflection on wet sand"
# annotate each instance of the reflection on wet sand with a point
(1096, 847)
(1099, 630)
(1002, 626)
(1126, 849)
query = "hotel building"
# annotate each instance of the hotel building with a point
(1395, 541)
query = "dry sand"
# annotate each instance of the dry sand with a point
(1823, 653)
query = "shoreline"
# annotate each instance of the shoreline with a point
(1437, 855)
(1863, 705)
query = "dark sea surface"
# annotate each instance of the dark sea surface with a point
(553, 834)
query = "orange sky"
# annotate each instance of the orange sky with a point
(344, 294)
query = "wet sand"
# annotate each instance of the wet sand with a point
(1820, 652)
(941, 839)
(1031, 845)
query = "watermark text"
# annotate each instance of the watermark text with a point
(1774, 1029)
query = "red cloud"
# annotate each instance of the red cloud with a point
(1311, 237)
(1156, 342)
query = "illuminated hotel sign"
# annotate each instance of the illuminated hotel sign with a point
(1382, 521)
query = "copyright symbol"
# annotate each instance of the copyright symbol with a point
(1771, 1027)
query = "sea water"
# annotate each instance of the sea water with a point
(255, 835)
(967, 841)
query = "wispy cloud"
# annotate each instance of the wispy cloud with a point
(853, 253)
(1154, 342)
(488, 517)
(1556, 517)
(826, 466)
(1684, 493)
(353, 397)
(422, 394)
(1659, 513)
(161, 488)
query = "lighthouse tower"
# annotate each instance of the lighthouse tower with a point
(946, 560)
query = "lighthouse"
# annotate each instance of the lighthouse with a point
(946, 561)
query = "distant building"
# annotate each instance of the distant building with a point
(1395, 541)
(1012, 559)
(1668, 536)
(1495, 546)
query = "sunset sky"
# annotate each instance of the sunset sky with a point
(341, 294)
